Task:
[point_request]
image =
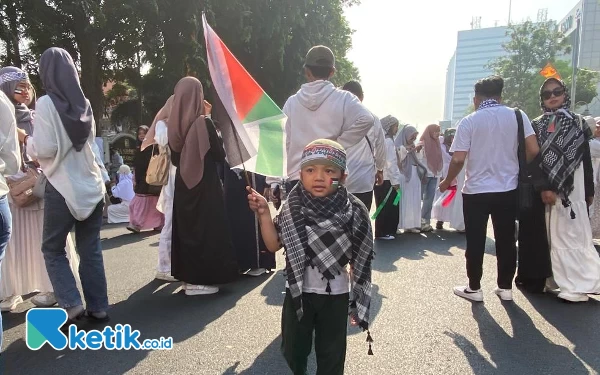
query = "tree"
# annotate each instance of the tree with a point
(530, 48)
(11, 29)
(116, 39)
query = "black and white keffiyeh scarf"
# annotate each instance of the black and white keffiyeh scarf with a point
(489, 103)
(328, 233)
(561, 150)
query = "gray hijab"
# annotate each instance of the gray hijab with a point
(10, 77)
(406, 166)
(61, 82)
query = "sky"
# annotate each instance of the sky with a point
(402, 48)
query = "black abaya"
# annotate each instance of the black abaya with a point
(249, 247)
(386, 223)
(202, 252)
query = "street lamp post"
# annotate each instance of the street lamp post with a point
(576, 51)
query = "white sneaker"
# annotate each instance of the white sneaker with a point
(165, 276)
(10, 303)
(574, 297)
(44, 299)
(196, 290)
(414, 230)
(257, 272)
(467, 293)
(386, 238)
(504, 294)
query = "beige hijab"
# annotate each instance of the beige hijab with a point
(187, 130)
(162, 115)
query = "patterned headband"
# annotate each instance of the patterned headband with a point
(13, 76)
(324, 151)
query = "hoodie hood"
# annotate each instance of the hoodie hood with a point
(312, 95)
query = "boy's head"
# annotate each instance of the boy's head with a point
(319, 64)
(323, 167)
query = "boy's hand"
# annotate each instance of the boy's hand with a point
(353, 321)
(257, 202)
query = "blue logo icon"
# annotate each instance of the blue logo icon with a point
(43, 326)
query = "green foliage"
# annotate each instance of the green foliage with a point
(118, 39)
(531, 47)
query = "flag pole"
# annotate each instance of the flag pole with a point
(237, 143)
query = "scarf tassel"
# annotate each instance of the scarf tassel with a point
(370, 341)
(572, 214)
(328, 289)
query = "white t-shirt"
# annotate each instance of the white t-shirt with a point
(315, 282)
(490, 137)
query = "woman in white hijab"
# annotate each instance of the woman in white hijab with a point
(119, 213)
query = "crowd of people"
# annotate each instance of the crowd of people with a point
(543, 174)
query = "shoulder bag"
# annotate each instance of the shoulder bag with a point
(158, 168)
(525, 187)
(21, 189)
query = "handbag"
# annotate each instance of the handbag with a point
(158, 168)
(21, 189)
(525, 187)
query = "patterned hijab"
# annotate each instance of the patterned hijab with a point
(561, 150)
(387, 123)
(432, 148)
(10, 77)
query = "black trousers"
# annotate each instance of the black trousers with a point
(387, 221)
(366, 198)
(502, 207)
(327, 316)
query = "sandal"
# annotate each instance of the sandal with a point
(95, 319)
(67, 324)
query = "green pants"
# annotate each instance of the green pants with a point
(327, 316)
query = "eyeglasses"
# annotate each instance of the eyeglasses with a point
(559, 91)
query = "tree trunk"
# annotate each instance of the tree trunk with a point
(91, 78)
(13, 51)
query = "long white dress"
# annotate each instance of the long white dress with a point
(410, 204)
(575, 261)
(453, 214)
(23, 267)
(165, 205)
(595, 208)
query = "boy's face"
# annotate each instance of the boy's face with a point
(319, 179)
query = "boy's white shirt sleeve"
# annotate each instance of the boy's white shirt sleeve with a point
(527, 128)
(379, 145)
(357, 122)
(391, 163)
(462, 139)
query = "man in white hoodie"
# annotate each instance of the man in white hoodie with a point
(320, 110)
(366, 159)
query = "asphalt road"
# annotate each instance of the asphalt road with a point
(419, 326)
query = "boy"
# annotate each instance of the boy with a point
(323, 229)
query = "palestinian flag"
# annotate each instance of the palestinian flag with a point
(255, 138)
